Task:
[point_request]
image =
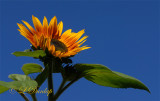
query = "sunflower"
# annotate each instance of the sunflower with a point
(50, 37)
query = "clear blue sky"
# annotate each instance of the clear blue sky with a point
(123, 36)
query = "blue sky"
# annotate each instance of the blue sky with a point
(123, 36)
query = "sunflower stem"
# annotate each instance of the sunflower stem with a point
(50, 81)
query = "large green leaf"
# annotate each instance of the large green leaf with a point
(130, 82)
(24, 86)
(34, 54)
(101, 75)
(31, 68)
(84, 67)
(19, 77)
(3, 89)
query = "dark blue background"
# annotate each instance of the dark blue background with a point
(124, 35)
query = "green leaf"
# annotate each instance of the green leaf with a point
(19, 77)
(24, 86)
(103, 76)
(3, 89)
(131, 82)
(34, 54)
(84, 67)
(31, 68)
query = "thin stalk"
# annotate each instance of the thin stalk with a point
(25, 98)
(34, 97)
(61, 89)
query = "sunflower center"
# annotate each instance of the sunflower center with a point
(59, 46)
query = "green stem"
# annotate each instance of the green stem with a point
(34, 97)
(61, 89)
(25, 98)
(50, 81)
(50, 85)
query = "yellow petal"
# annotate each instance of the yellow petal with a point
(24, 29)
(30, 27)
(85, 37)
(52, 26)
(76, 37)
(45, 27)
(28, 37)
(66, 34)
(60, 28)
(37, 24)
(85, 47)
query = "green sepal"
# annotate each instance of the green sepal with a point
(55, 64)
(69, 73)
